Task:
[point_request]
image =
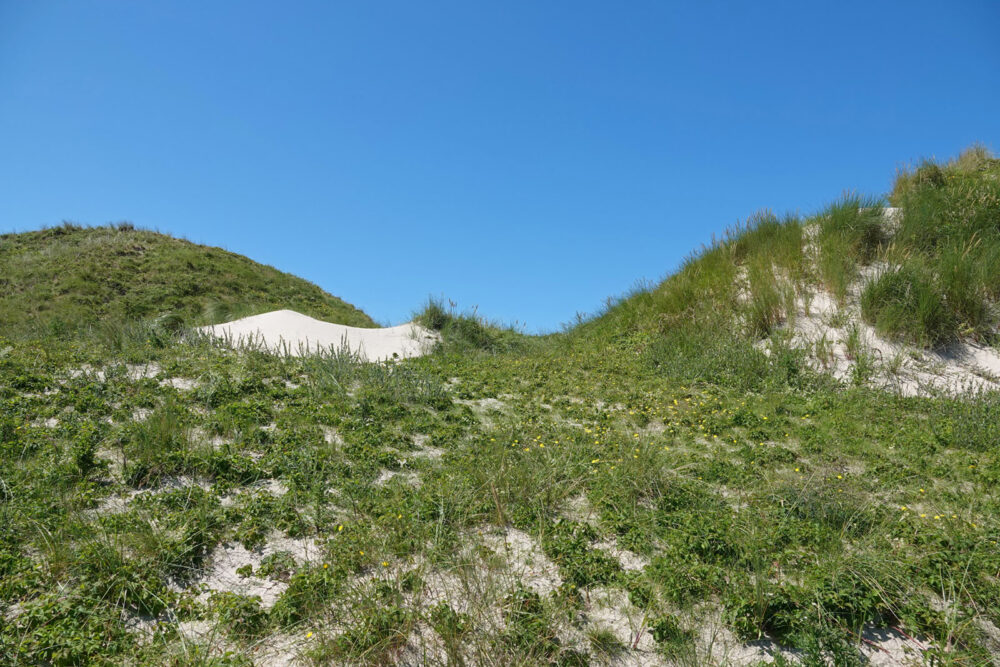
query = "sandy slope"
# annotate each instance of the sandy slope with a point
(296, 334)
(823, 327)
(959, 368)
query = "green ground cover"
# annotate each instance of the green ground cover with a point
(655, 455)
(60, 280)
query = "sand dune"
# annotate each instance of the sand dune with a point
(295, 333)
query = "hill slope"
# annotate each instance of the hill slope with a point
(904, 297)
(674, 483)
(60, 278)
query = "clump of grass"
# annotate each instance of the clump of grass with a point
(375, 638)
(962, 276)
(605, 643)
(855, 344)
(452, 627)
(950, 203)
(131, 339)
(378, 386)
(975, 159)
(529, 630)
(668, 633)
(310, 589)
(767, 306)
(712, 350)
(434, 315)
(823, 350)
(568, 544)
(904, 303)
(859, 221)
(766, 236)
(113, 569)
(463, 332)
(851, 232)
(148, 450)
(239, 615)
(836, 266)
(949, 235)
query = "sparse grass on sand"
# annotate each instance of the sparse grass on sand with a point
(651, 485)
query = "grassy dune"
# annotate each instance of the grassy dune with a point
(653, 485)
(63, 279)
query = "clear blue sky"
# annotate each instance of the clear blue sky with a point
(528, 158)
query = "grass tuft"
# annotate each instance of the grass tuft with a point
(903, 303)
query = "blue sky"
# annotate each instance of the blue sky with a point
(528, 158)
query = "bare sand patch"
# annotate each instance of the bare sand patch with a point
(405, 476)
(484, 408)
(525, 559)
(991, 636)
(887, 647)
(610, 609)
(578, 508)
(221, 575)
(428, 453)
(331, 436)
(295, 334)
(180, 384)
(836, 338)
(629, 560)
(424, 646)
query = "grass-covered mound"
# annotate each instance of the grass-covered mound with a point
(66, 278)
(923, 273)
(935, 254)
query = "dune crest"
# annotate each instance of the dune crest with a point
(292, 332)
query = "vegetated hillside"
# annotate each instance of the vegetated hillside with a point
(904, 297)
(676, 482)
(62, 278)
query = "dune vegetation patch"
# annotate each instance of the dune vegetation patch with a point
(72, 278)
(691, 477)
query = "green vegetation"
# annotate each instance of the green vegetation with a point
(484, 503)
(950, 233)
(932, 267)
(66, 278)
(904, 302)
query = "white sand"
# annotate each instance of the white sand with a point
(959, 368)
(823, 327)
(296, 334)
(221, 575)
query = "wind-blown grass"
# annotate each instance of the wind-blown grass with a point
(857, 221)
(903, 303)
(467, 332)
(949, 203)
(850, 233)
